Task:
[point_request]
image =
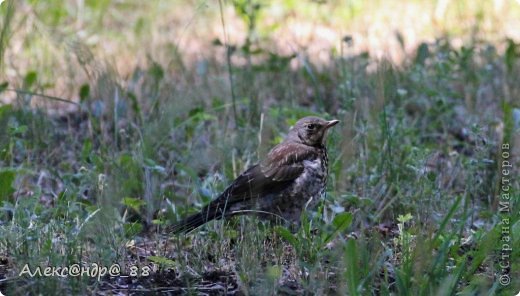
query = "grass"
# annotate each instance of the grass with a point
(416, 166)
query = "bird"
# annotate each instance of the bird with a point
(290, 179)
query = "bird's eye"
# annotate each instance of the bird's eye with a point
(311, 126)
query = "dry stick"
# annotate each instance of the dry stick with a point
(228, 59)
(24, 92)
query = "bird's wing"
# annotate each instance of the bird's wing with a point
(283, 164)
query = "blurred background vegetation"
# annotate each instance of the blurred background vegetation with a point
(119, 117)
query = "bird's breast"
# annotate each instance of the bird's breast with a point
(313, 179)
(303, 193)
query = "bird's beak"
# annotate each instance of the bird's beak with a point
(332, 123)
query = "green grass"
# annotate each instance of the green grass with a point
(412, 204)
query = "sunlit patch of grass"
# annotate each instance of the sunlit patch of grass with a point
(49, 35)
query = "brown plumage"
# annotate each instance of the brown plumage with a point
(291, 178)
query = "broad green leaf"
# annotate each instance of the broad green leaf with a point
(340, 222)
(30, 79)
(352, 273)
(133, 203)
(162, 261)
(287, 235)
(84, 92)
(405, 218)
(3, 86)
(6, 184)
(132, 229)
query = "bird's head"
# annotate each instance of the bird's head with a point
(310, 130)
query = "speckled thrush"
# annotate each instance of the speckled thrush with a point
(290, 179)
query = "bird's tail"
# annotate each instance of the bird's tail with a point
(190, 223)
(215, 210)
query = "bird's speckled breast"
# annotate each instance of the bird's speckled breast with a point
(311, 184)
(306, 190)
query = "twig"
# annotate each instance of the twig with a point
(24, 92)
(228, 59)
